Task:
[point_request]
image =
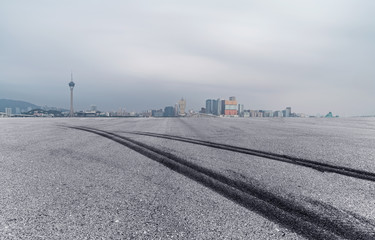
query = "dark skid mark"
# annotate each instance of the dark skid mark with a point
(332, 224)
(319, 166)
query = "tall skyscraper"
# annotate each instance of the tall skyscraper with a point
(288, 112)
(217, 107)
(230, 107)
(240, 110)
(182, 106)
(209, 106)
(213, 106)
(71, 85)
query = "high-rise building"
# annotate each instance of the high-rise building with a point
(284, 113)
(209, 106)
(217, 107)
(213, 106)
(277, 114)
(240, 109)
(182, 106)
(169, 111)
(71, 85)
(230, 107)
(8, 112)
(222, 103)
(288, 112)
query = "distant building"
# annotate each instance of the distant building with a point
(217, 107)
(277, 114)
(182, 106)
(121, 112)
(210, 106)
(284, 113)
(255, 113)
(213, 106)
(230, 107)
(240, 110)
(301, 115)
(267, 113)
(329, 115)
(8, 112)
(288, 111)
(246, 114)
(90, 114)
(169, 111)
(157, 113)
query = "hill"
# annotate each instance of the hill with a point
(17, 106)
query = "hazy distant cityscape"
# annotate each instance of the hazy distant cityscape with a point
(211, 108)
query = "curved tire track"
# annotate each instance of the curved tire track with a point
(329, 223)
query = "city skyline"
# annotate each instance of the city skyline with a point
(179, 109)
(312, 55)
(214, 107)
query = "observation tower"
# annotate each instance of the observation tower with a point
(71, 85)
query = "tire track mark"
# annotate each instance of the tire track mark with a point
(319, 166)
(330, 223)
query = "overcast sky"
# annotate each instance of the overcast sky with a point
(315, 56)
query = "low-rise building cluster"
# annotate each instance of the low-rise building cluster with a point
(178, 110)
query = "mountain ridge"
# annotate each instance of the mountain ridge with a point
(17, 106)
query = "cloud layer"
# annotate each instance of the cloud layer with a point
(315, 56)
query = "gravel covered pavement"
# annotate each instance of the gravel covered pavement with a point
(58, 182)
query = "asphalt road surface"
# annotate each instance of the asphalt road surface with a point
(187, 178)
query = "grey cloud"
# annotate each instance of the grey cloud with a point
(144, 54)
